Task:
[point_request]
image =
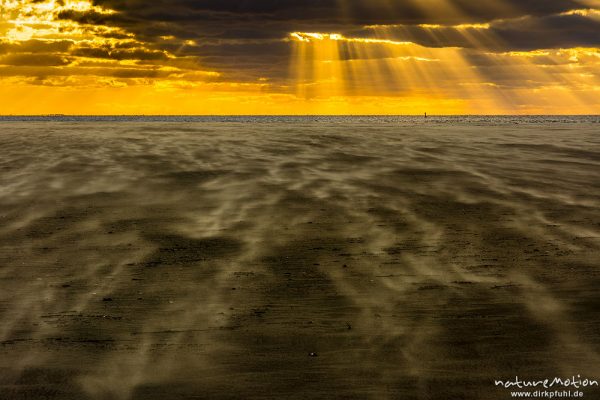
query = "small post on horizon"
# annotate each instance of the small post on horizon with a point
(425, 114)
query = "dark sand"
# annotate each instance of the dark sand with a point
(209, 260)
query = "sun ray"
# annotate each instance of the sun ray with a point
(432, 54)
(481, 73)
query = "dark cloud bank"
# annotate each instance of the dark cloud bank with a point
(247, 35)
(248, 40)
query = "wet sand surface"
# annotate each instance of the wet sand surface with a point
(309, 260)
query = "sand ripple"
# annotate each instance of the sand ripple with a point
(172, 260)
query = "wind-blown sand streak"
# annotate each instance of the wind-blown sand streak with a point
(415, 259)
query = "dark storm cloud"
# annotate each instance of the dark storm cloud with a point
(531, 23)
(40, 60)
(550, 32)
(119, 54)
(248, 39)
(359, 12)
(247, 35)
(44, 71)
(269, 19)
(35, 46)
(527, 33)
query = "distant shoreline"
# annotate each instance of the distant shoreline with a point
(286, 115)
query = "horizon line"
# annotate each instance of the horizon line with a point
(298, 115)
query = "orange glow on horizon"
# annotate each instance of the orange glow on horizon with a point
(53, 65)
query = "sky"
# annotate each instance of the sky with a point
(214, 57)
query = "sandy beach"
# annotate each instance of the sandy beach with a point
(338, 258)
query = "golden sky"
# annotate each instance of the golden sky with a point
(300, 57)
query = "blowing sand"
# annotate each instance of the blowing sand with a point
(344, 259)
